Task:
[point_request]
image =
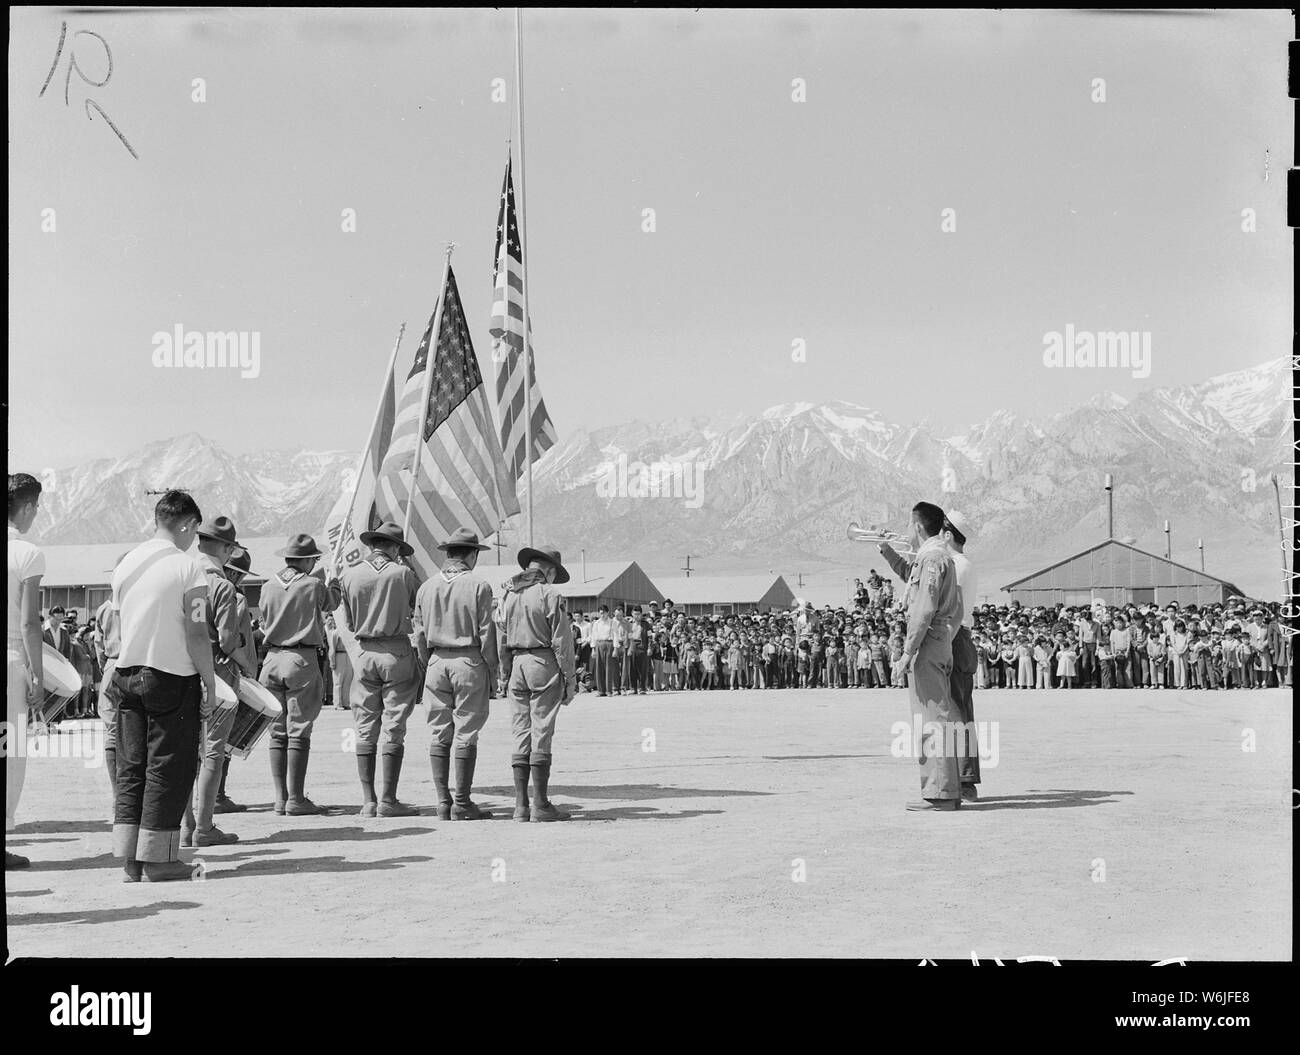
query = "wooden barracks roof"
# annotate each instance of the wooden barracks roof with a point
(728, 589)
(621, 579)
(1133, 567)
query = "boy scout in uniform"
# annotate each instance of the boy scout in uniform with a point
(540, 639)
(933, 615)
(237, 568)
(292, 602)
(456, 637)
(217, 545)
(378, 596)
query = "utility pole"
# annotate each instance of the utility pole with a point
(498, 543)
(687, 558)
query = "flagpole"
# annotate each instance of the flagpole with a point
(523, 268)
(1281, 532)
(365, 453)
(428, 383)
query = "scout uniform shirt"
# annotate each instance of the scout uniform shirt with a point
(291, 604)
(454, 609)
(378, 595)
(535, 617)
(933, 598)
(223, 619)
(110, 634)
(246, 655)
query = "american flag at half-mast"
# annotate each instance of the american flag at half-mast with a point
(508, 345)
(463, 479)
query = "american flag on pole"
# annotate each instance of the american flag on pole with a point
(463, 480)
(508, 344)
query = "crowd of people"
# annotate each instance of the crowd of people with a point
(658, 648)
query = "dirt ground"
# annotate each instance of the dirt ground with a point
(1127, 825)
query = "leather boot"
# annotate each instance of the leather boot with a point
(543, 809)
(463, 808)
(279, 754)
(205, 795)
(225, 804)
(440, 763)
(298, 804)
(389, 806)
(366, 772)
(520, 768)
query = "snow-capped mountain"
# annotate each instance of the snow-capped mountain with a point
(783, 484)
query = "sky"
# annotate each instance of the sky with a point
(776, 221)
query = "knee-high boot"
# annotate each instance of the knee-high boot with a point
(389, 806)
(440, 764)
(279, 755)
(463, 808)
(298, 804)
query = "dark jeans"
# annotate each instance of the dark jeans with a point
(158, 730)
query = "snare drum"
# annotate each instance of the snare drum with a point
(256, 710)
(226, 700)
(62, 685)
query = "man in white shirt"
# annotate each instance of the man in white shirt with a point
(166, 681)
(961, 682)
(602, 650)
(26, 671)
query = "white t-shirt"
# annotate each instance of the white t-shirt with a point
(968, 584)
(149, 588)
(25, 562)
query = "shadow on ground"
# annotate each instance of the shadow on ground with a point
(102, 915)
(58, 827)
(1044, 800)
(634, 792)
(325, 835)
(298, 865)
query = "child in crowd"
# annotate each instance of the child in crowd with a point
(1066, 658)
(1007, 661)
(1042, 663)
(1156, 657)
(1106, 661)
(1024, 663)
(1179, 645)
(899, 678)
(709, 664)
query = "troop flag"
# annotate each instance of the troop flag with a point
(355, 512)
(507, 331)
(448, 440)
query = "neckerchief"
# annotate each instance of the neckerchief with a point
(525, 579)
(453, 570)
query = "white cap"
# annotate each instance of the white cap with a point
(959, 521)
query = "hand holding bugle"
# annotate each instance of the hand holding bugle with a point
(880, 536)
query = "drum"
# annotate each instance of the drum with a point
(256, 710)
(62, 686)
(226, 699)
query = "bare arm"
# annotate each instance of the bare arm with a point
(198, 645)
(32, 639)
